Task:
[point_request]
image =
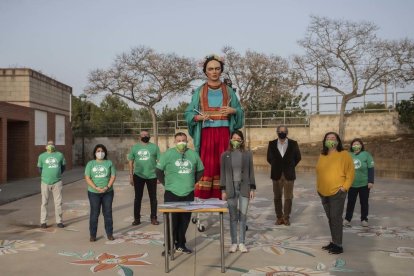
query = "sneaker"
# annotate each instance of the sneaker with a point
(243, 248)
(364, 223)
(233, 248)
(136, 222)
(60, 225)
(92, 239)
(111, 238)
(279, 221)
(43, 225)
(328, 247)
(335, 249)
(346, 223)
(184, 249)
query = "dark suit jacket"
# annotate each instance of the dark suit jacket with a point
(285, 164)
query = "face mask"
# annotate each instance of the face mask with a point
(50, 148)
(282, 135)
(236, 144)
(330, 144)
(100, 155)
(145, 139)
(356, 147)
(181, 146)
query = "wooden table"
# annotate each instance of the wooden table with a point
(168, 235)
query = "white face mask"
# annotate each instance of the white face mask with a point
(100, 155)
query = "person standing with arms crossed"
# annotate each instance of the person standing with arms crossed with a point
(51, 165)
(283, 155)
(142, 161)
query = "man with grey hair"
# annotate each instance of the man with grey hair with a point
(51, 165)
(283, 155)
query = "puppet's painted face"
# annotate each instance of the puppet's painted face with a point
(213, 70)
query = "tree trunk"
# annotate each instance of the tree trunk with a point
(342, 118)
(154, 123)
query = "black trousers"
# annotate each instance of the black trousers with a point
(180, 221)
(363, 200)
(139, 184)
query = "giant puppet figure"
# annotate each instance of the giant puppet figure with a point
(214, 113)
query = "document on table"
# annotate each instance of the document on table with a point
(194, 205)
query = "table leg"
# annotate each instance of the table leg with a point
(166, 241)
(223, 268)
(171, 237)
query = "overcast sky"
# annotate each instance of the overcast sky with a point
(66, 39)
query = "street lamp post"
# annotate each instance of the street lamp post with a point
(82, 98)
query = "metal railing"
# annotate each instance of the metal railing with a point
(332, 104)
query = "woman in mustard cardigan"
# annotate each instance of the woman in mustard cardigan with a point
(334, 176)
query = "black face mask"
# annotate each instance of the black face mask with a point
(282, 135)
(145, 139)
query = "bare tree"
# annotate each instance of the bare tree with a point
(258, 78)
(351, 59)
(145, 78)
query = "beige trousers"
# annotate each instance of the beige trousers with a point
(56, 190)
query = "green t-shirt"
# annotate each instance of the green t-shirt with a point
(100, 173)
(362, 162)
(145, 159)
(180, 170)
(51, 164)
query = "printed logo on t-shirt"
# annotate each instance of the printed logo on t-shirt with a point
(52, 162)
(99, 171)
(184, 166)
(143, 154)
(357, 164)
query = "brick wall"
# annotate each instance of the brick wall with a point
(21, 132)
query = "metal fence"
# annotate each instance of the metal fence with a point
(332, 104)
(256, 119)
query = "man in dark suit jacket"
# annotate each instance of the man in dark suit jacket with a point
(283, 155)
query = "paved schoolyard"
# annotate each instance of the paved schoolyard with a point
(384, 248)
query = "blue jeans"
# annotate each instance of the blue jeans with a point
(96, 200)
(238, 214)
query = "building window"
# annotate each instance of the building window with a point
(60, 130)
(40, 128)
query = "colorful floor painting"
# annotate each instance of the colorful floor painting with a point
(382, 232)
(402, 252)
(339, 265)
(106, 261)
(280, 244)
(139, 237)
(277, 245)
(16, 246)
(285, 271)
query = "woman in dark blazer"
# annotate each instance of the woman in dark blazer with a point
(238, 187)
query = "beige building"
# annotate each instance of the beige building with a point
(34, 108)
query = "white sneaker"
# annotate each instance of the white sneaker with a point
(346, 223)
(364, 223)
(243, 248)
(233, 248)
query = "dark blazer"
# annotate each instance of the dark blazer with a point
(285, 164)
(226, 174)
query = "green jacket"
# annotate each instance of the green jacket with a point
(194, 128)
